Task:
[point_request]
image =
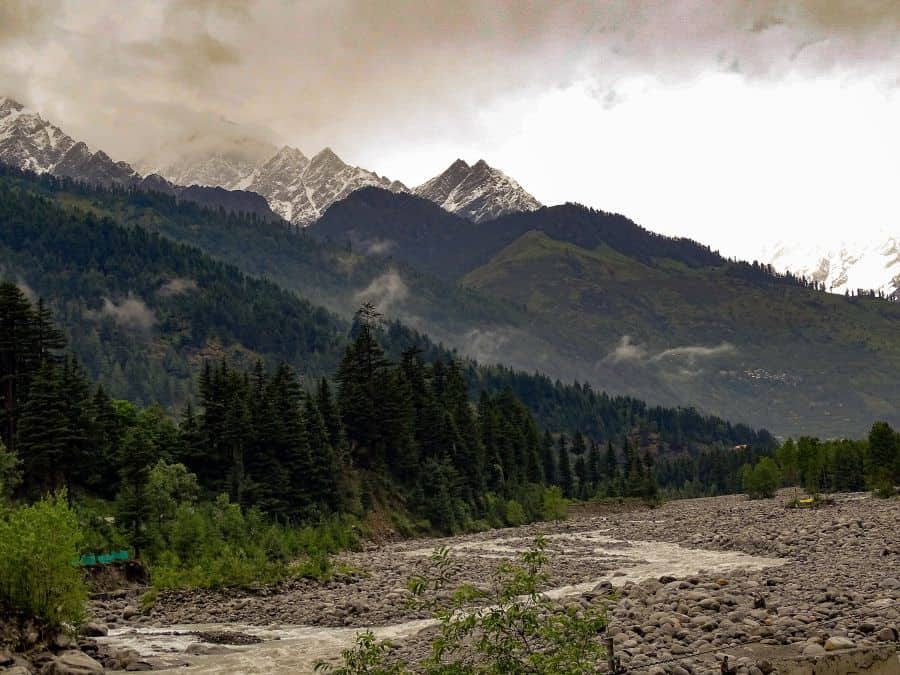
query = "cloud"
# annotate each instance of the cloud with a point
(131, 313)
(487, 345)
(133, 78)
(694, 353)
(386, 292)
(27, 290)
(378, 246)
(684, 360)
(23, 20)
(626, 350)
(176, 286)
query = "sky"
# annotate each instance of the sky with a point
(734, 122)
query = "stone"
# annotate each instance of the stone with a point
(836, 642)
(129, 612)
(17, 670)
(813, 649)
(72, 663)
(887, 635)
(63, 641)
(6, 658)
(709, 603)
(94, 629)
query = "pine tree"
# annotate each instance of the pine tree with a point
(594, 466)
(44, 431)
(548, 459)
(138, 455)
(566, 479)
(322, 480)
(19, 360)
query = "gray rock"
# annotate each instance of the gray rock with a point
(94, 629)
(813, 649)
(887, 635)
(17, 670)
(836, 642)
(72, 663)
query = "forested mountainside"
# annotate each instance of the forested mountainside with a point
(374, 429)
(143, 313)
(664, 319)
(337, 277)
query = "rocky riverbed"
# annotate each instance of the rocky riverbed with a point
(696, 580)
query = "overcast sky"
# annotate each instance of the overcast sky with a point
(734, 122)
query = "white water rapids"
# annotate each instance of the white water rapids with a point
(295, 649)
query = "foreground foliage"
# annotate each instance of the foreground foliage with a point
(509, 628)
(38, 544)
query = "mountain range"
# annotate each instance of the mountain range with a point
(668, 319)
(300, 189)
(567, 291)
(850, 266)
(31, 143)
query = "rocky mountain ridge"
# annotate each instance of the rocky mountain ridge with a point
(31, 143)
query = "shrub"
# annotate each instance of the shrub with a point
(219, 544)
(509, 628)
(555, 506)
(38, 548)
(515, 514)
(762, 480)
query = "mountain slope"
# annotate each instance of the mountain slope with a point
(30, 143)
(420, 233)
(142, 313)
(666, 319)
(478, 192)
(848, 267)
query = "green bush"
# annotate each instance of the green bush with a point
(38, 548)
(762, 480)
(509, 628)
(219, 544)
(555, 506)
(515, 514)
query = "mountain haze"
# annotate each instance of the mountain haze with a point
(668, 319)
(30, 143)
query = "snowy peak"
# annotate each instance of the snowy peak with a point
(478, 192)
(29, 142)
(297, 188)
(218, 169)
(847, 266)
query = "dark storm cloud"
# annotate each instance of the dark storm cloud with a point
(135, 78)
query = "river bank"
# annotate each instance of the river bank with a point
(692, 577)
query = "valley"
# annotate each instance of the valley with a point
(687, 578)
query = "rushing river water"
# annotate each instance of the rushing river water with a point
(295, 649)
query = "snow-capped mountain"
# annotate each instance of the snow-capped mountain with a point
(478, 192)
(873, 264)
(31, 143)
(297, 188)
(216, 170)
(300, 189)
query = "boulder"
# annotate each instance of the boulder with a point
(72, 663)
(836, 642)
(888, 634)
(94, 629)
(813, 649)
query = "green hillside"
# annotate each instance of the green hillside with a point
(779, 354)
